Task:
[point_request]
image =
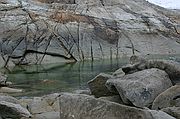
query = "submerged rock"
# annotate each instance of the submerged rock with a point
(10, 90)
(97, 85)
(141, 88)
(168, 98)
(78, 106)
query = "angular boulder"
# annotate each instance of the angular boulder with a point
(140, 88)
(97, 85)
(14, 111)
(78, 106)
(168, 98)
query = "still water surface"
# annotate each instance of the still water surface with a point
(37, 80)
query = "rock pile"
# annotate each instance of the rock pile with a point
(140, 93)
(144, 84)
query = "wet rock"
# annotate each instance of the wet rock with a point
(77, 106)
(173, 111)
(11, 110)
(168, 98)
(140, 88)
(97, 85)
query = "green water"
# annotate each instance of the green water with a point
(37, 80)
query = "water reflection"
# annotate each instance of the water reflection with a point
(42, 79)
(38, 80)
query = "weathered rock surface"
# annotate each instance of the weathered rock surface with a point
(168, 98)
(8, 99)
(173, 111)
(48, 103)
(47, 115)
(97, 85)
(118, 73)
(41, 31)
(78, 106)
(141, 88)
(3, 79)
(172, 68)
(11, 110)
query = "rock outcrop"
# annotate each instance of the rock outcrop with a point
(141, 88)
(44, 31)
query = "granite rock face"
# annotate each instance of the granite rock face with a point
(46, 31)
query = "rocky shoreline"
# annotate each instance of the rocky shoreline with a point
(143, 89)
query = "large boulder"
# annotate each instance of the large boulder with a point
(168, 98)
(172, 68)
(79, 106)
(140, 88)
(97, 85)
(11, 110)
(173, 111)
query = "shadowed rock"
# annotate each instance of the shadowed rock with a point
(97, 85)
(11, 110)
